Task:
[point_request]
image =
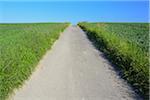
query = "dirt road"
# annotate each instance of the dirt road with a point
(74, 70)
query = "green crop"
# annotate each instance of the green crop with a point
(135, 32)
(126, 45)
(21, 48)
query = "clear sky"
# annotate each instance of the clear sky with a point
(74, 11)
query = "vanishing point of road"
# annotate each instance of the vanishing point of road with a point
(74, 70)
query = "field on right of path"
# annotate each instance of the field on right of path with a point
(126, 45)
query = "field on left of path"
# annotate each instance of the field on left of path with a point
(21, 48)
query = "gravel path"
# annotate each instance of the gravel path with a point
(74, 70)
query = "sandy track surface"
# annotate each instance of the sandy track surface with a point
(74, 70)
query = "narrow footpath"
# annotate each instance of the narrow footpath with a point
(74, 70)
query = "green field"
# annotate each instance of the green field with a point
(21, 48)
(136, 33)
(127, 46)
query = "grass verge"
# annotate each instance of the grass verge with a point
(21, 48)
(126, 55)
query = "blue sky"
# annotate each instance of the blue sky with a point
(73, 11)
